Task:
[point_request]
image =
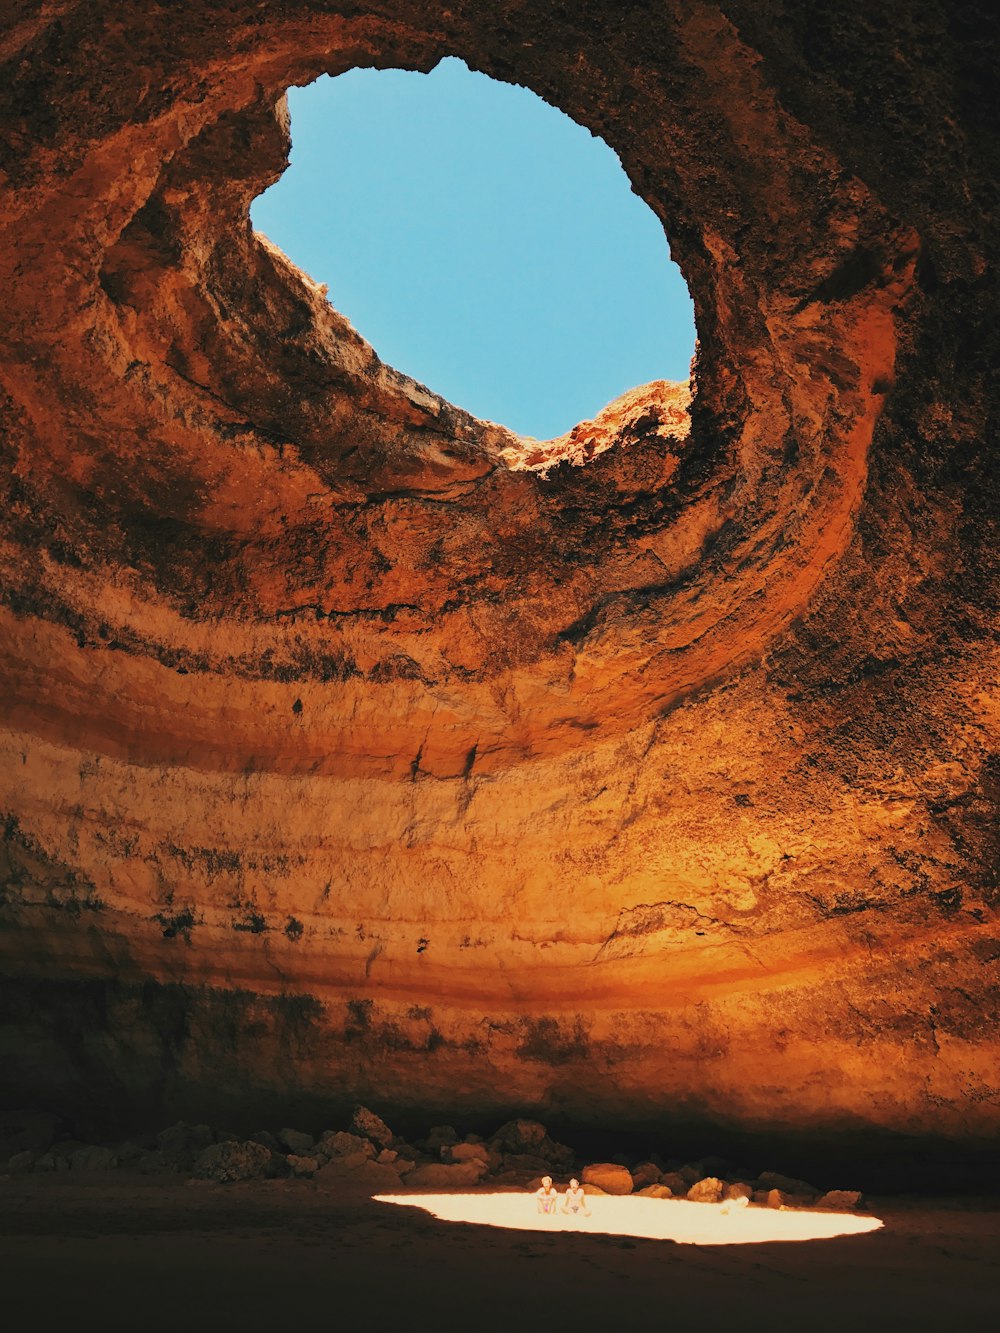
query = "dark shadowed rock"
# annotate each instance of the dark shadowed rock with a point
(370, 1126)
(839, 1200)
(295, 1141)
(226, 1163)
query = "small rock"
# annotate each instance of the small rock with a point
(775, 1180)
(302, 1166)
(608, 1176)
(655, 1192)
(228, 1162)
(20, 1163)
(646, 1173)
(91, 1158)
(295, 1141)
(759, 1196)
(780, 1199)
(370, 1126)
(840, 1200)
(692, 1174)
(468, 1152)
(443, 1175)
(593, 1189)
(708, 1190)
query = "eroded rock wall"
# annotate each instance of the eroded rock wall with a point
(352, 749)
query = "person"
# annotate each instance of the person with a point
(546, 1196)
(574, 1200)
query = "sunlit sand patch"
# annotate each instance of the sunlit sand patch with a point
(652, 1219)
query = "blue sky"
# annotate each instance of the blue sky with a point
(482, 241)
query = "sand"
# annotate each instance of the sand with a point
(276, 1255)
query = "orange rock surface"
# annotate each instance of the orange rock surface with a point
(353, 747)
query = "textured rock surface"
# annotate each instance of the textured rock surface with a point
(354, 748)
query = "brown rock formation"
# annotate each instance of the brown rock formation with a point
(351, 748)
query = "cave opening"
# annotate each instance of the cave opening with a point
(484, 242)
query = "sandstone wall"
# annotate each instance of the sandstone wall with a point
(350, 749)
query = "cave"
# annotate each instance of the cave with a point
(355, 750)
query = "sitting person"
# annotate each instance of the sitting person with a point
(575, 1200)
(546, 1196)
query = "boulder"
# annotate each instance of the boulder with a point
(467, 1152)
(588, 1188)
(676, 1183)
(91, 1158)
(708, 1190)
(655, 1192)
(839, 1200)
(781, 1199)
(691, 1174)
(520, 1136)
(446, 1175)
(295, 1141)
(157, 1163)
(183, 1140)
(20, 1163)
(51, 1161)
(370, 1126)
(646, 1173)
(387, 1157)
(302, 1166)
(608, 1176)
(774, 1180)
(263, 1137)
(530, 1162)
(738, 1190)
(708, 1166)
(229, 1162)
(338, 1143)
(439, 1137)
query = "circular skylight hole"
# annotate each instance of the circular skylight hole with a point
(482, 242)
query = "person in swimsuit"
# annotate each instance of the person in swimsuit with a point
(546, 1196)
(574, 1200)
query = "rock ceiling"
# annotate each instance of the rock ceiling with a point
(353, 747)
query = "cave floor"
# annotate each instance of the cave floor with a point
(151, 1255)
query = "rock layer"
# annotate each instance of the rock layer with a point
(355, 748)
